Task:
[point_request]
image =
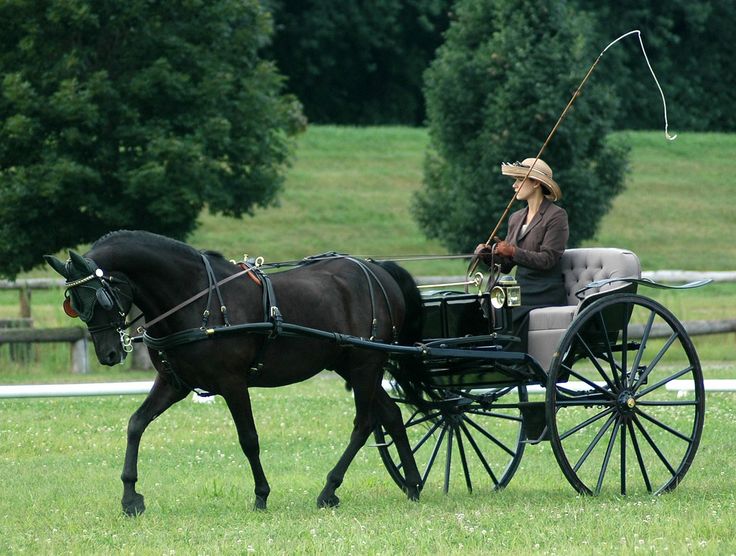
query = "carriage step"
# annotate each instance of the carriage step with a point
(541, 438)
(535, 422)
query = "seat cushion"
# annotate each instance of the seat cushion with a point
(549, 318)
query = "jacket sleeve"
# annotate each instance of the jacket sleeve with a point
(553, 241)
(505, 263)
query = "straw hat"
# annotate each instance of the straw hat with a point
(541, 172)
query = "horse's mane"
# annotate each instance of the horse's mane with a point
(151, 239)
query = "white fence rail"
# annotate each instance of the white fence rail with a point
(143, 387)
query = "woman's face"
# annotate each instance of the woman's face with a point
(530, 189)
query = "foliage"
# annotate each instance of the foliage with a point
(358, 62)
(494, 92)
(136, 115)
(693, 67)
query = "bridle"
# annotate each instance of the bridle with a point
(108, 297)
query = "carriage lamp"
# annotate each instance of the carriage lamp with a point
(506, 292)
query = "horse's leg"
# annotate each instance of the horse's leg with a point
(163, 395)
(364, 392)
(391, 419)
(238, 401)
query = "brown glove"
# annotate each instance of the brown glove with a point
(505, 249)
(483, 252)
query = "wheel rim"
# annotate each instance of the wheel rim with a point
(471, 438)
(618, 420)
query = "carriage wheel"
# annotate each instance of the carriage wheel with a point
(625, 404)
(480, 431)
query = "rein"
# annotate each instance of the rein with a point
(197, 296)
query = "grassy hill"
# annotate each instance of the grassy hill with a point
(350, 190)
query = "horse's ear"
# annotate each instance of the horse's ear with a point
(79, 262)
(57, 265)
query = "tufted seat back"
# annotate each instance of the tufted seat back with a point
(579, 268)
(582, 266)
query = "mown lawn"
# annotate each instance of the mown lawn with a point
(60, 460)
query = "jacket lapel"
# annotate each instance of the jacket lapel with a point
(535, 221)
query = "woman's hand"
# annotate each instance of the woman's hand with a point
(505, 249)
(482, 248)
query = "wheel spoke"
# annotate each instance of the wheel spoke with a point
(639, 457)
(624, 351)
(490, 437)
(427, 435)
(654, 447)
(480, 455)
(661, 425)
(448, 458)
(670, 403)
(623, 460)
(664, 381)
(585, 423)
(463, 460)
(593, 444)
(656, 360)
(592, 384)
(495, 415)
(609, 353)
(607, 456)
(433, 457)
(593, 359)
(423, 419)
(644, 339)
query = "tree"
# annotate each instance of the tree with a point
(133, 114)
(494, 92)
(358, 62)
(693, 66)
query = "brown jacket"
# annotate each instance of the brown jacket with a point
(542, 244)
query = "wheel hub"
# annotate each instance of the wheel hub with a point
(626, 402)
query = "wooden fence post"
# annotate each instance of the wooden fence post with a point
(80, 361)
(141, 361)
(24, 295)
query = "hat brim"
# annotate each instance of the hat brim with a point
(553, 191)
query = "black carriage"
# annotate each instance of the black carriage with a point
(611, 380)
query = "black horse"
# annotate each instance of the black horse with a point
(163, 277)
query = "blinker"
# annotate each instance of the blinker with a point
(69, 310)
(104, 299)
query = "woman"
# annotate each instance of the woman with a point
(536, 239)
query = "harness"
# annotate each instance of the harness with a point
(272, 326)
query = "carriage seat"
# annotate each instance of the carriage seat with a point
(579, 267)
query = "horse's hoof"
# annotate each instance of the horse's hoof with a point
(328, 501)
(133, 506)
(260, 504)
(413, 494)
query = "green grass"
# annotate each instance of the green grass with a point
(60, 460)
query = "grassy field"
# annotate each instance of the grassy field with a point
(350, 190)
(61, 459)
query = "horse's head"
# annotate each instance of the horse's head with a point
(102, 301)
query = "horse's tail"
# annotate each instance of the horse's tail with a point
(408, 370)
